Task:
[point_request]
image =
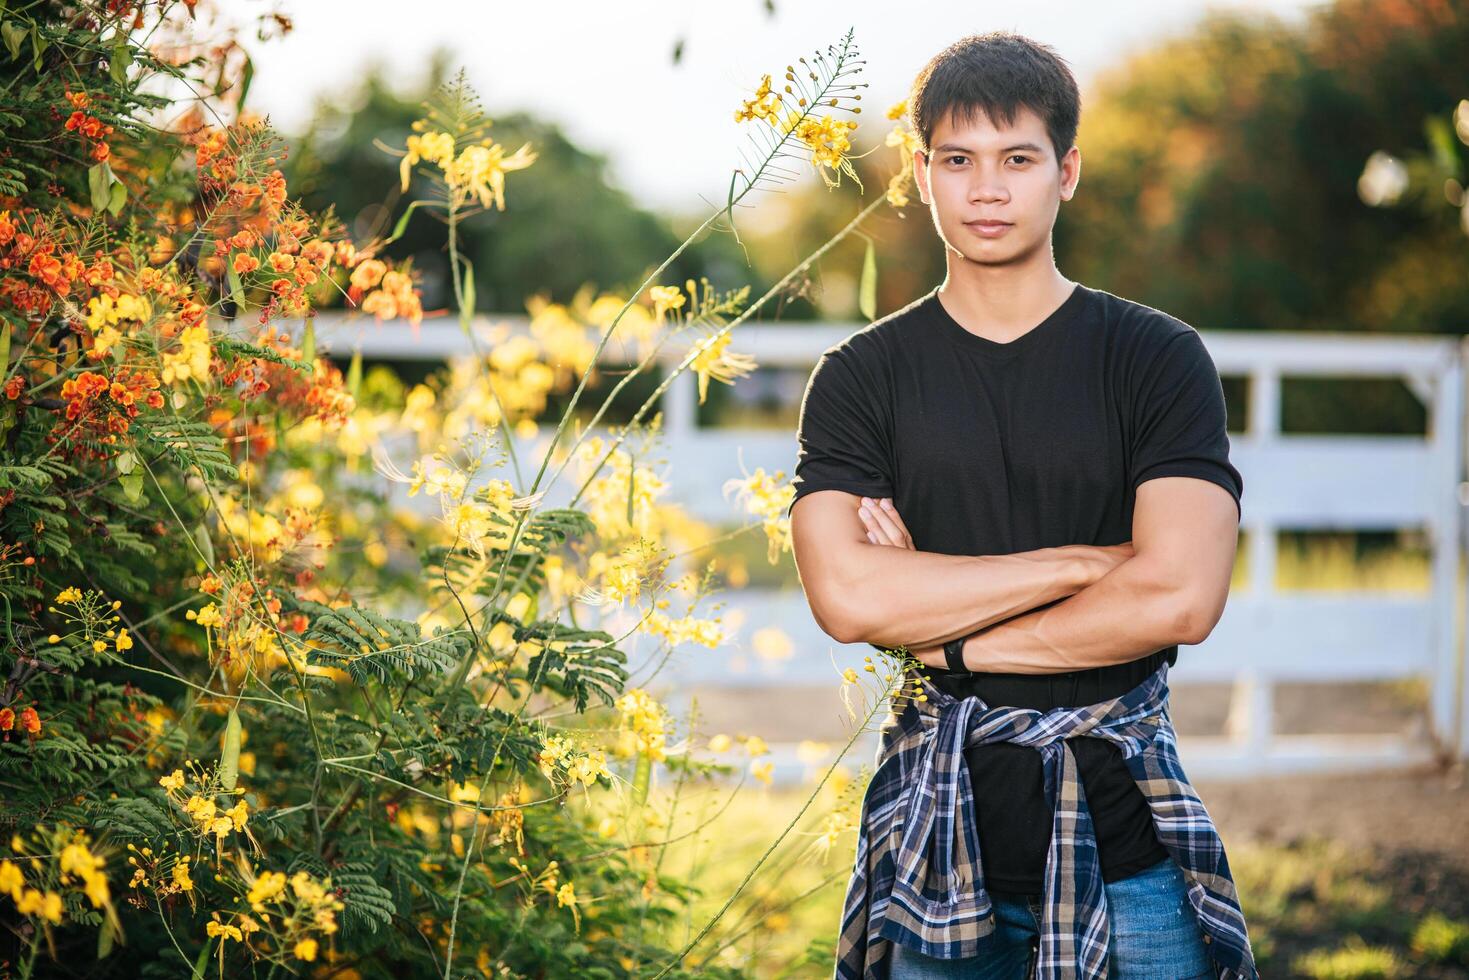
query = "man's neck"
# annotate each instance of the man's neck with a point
(1001, 303)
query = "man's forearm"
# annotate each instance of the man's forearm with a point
(1131, 611)
(901, 597)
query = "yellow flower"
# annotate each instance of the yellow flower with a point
(762, 770)
(481, 169)
(665, 298)
(124, 642)
(265, 888)
(713, 361)
(755, 746)
(214, 928)
(12, 881)
(306, 950)
(238, 814)
(181, 875)
(208, 616)
(644, 717)
(431, 146)
(720, 743)
(174, 780)
(69, 595)
(191, 360)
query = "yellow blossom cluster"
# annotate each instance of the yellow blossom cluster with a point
(78, 860)
(903, 137)
(293, 911)
(479, 169)
(764, 105)
(638, 566)
(76, 866)
(766, 496)
(95, 616)
(548, 882)
(559, 754)
(644, 725)
(621, 498)
(104, 313)
(828, 139)
(207, 816)
(714, 360)
(686, 629)
(190, 361)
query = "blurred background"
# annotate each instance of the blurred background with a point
(1287, 177)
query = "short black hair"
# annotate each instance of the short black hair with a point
(997, 73)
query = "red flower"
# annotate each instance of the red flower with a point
(30, 721)
(7, 719)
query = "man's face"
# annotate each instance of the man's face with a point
(978, 173)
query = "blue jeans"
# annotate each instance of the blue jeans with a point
(1154, 935)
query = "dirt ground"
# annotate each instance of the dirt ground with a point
(1386, 813)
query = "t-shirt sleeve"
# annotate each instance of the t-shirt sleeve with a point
(843, 438)
(1179, 418)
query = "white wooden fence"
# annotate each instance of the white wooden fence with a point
(1292, 482)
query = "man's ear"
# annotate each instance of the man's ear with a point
(920, 174)
(1070, 173)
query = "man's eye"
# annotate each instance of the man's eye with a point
(955, 157)
(1021, 158)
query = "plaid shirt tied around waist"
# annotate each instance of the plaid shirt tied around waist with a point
(918, 878)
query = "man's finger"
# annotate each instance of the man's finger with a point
(875, 532)
(891, 510)
(890, 530)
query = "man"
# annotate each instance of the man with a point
(1036, 474)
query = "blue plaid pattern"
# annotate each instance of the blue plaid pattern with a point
(918, 879)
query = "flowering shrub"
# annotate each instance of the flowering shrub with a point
(225, 742)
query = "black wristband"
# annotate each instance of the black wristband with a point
(954, 655)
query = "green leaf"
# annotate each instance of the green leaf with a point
(14, 36)
(229, 756)
(126, 462)
(99, 182)
(402, 224)
(105, 936)
(466, 309)
(5, 348)
(237, 289)
(867, 291)
(640, 779)
(119, 62)
(38, 46)
(117, 197)
(368, 645)
(132, 485)
(354, 373)
(246, 78)
(308, 342)
(205, 543)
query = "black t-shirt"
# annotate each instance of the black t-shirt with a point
(990, 448)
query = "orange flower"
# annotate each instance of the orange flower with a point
(245, 262)
(30, 721)
(368, 273)
(282, 263)
(7, 719)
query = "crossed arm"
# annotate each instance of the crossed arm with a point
(1046, 611)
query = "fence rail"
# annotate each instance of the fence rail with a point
(1294, 482)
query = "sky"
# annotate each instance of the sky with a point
(605, 73)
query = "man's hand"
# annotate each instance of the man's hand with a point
(885, 526)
